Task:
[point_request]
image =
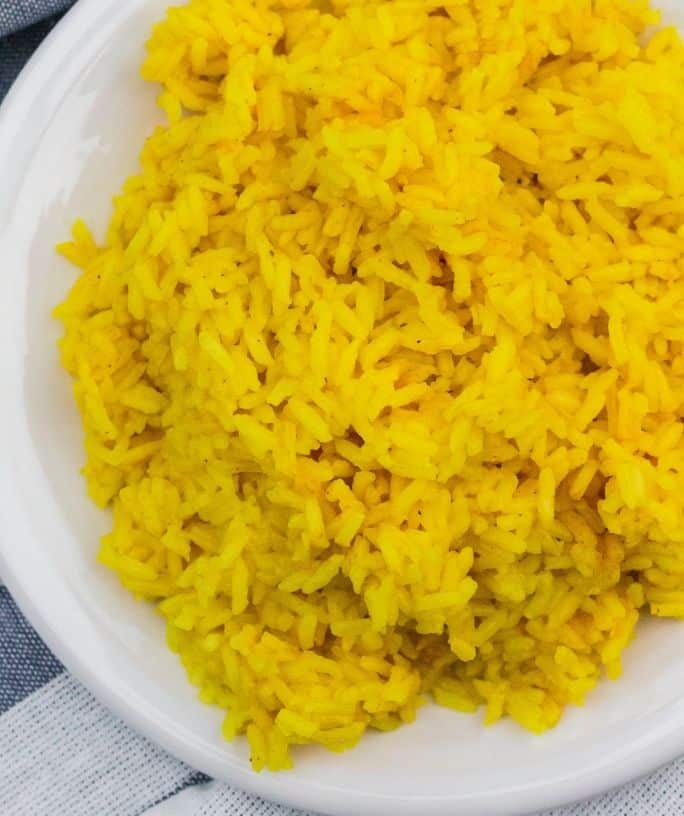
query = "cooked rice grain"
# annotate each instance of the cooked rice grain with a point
(381, 363)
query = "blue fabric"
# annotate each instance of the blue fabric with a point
(23, 25)
(18, 14)
(85, 738)
(26, 664)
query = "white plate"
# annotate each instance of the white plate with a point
(69, 134)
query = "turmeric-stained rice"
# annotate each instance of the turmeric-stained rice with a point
(381, 364)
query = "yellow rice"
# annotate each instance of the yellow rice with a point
(381, 362)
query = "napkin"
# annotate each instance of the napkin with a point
(23, 24)
(63, 754)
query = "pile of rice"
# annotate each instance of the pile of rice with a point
(381, 363)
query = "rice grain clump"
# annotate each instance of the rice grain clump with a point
(381, 363)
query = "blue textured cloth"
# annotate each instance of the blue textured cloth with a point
(60, 751)
(18, 14)
(23, 25)
(25, 663)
